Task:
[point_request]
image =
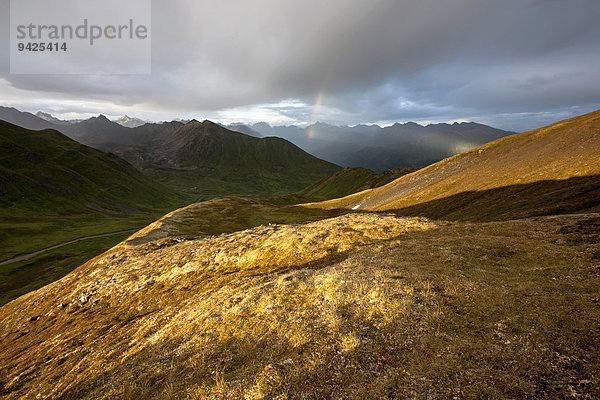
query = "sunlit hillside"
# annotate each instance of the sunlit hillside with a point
(359, 305)
(554, 169)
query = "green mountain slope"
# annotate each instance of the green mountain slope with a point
(351, 180)
(208, 160)
(44, 172)
(54, 190)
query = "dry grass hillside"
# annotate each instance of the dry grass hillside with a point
(539, 172)
(213, 301)
(357, 306)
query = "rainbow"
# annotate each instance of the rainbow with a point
(313, 115)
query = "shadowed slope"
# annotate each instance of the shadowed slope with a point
(209, 160)
(45, 173)
(560, 151)
(54, 190)
(352, 180)
(574, 195)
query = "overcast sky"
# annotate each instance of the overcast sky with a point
(514, 64)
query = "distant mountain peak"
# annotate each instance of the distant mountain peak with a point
(51, 118)
(208, 122)
(130, 122)
(46, 116)
(101, 120)
(204, 124)
(261, 125)
(193, 121)
(242, 128)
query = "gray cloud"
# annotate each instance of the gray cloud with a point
(515, 63)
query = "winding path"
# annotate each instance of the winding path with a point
(30, 255)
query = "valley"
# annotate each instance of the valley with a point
(55, 190)
(445, 282)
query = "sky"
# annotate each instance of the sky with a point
(512, 64)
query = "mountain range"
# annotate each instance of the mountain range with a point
(367, 146)
(204, 159)
(551, 170)
(498, 298)
(24, 119)
(380, 149)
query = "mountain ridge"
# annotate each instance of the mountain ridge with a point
(546, 153)
(370, 146)
(382, 148)
(217, 160)
(40, 158)
(359, 305)
(54, 190)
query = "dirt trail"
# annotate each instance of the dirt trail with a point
(31, 255)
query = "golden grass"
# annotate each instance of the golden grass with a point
(359, 306)
(559, 151)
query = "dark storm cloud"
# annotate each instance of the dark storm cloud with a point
(510, 62)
